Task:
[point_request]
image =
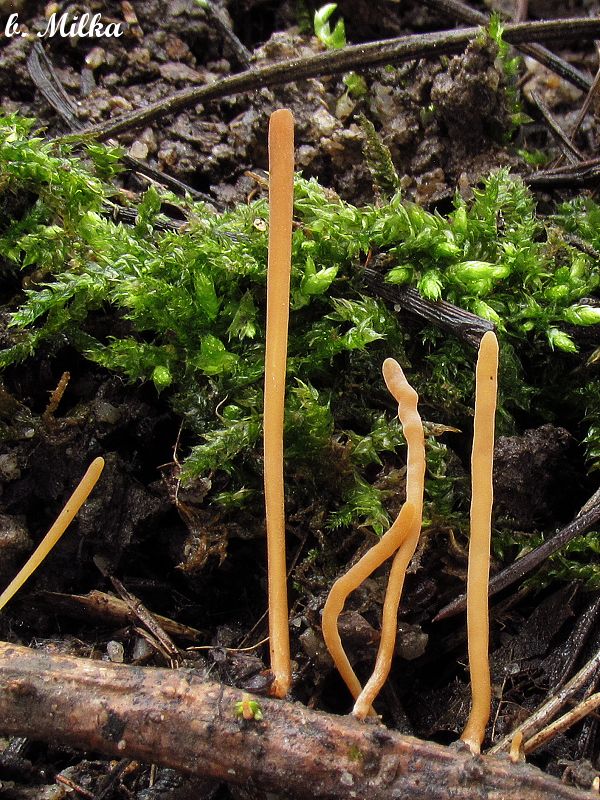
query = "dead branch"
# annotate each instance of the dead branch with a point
(456, 9)
(177, 719)
(336, 62)
(463, 324)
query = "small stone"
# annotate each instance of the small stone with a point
(141, 57)
(139, 150)
(96, 57)
(107, 413)
(148, 137)
(346, 779)
(115, 652)
(15, 542)
(9, 467)
(411, 642)
(176, 49)
(141, 649)
(179, 73)
(118, 102)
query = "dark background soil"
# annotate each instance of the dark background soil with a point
(131, 520)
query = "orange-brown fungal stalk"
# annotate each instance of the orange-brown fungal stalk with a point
(486, 388)
(72, 506)
(517, 753)
(405, 529)
(351, 580)
(407, 400)
(281, 202)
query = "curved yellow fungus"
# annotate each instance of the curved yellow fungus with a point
(372, 559)
(72, 506)
(403, 534)
(486, 388)
(407, 400)
(281, 202)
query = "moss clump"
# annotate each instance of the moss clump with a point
(191, 309)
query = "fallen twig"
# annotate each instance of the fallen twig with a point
(106, 607)
(175, 718)
(566, 145)
(464, 13)
(533, 724)
(388, 51)
(535, 558)
(463, 324)
(216, 16)
(561, 724)
(581, 174)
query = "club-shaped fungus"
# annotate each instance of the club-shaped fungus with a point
(407, 400)
(403, 534)
(486, 388)
(72, 506)
(351, 580)
(281, 202)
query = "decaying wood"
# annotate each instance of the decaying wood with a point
(106, 607)
(175, 718)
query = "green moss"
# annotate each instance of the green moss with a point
(191, 308)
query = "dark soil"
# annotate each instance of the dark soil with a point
(445, 123)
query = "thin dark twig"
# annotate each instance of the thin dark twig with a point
(148, 619)
(582, 174)
(241, 52)
(46, 80)
(107, 786)
(582, 245)
(463, 324)
(564, 142)
(523, 566)
(74, 787)
(403, 48)
(593, 91)
(455, 9)
(43, 74)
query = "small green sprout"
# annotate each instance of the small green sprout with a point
(248, 709)
(355, 84)
(333, 39)
(355, 753)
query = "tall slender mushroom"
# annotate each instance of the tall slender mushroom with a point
(486, 388)
(351, 580)
(403, 534)
(281, 201)
(407, 400)
(72, 506)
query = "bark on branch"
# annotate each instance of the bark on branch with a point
(335, 62)
(177, 719)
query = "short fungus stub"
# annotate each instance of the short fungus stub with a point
(281, 203)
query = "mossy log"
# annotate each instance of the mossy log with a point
(178, 719)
